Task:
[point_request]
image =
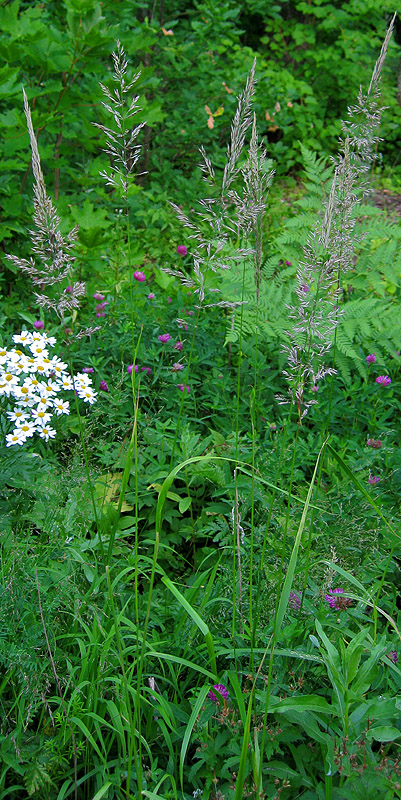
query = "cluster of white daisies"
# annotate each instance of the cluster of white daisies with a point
(34, 383)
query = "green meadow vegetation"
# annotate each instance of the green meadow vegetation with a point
(200, 366)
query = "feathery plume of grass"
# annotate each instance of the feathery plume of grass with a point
(48, 244)
(330, 248)
(214, 252)
(121, 143)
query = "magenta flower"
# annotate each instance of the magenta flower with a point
(151, 296)
(287, 263)
(68, 331)
(383, 380)
(222, 693)
(169, 300)
(182, 387)
(139, 276)
(375, 443)
(336, 600)
(371, 358)
(129, 368)
(182, 250)
(146, 369)
(38, 325)
(304, 287)
(69, 289)
(178, 346)
(88, 369)
(392, 655)
(164, 337)
(99, 297)
(177, 367)
(295, 600)
(373, 479)
(315, 388)
(103, 386)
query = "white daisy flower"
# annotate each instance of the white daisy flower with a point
(44, 402)
(37, 349)
(61, 406)
(3, 355)
(49, 339)
(23, 338)
(16, 437)
(87, 395)
(17, 415)
(40, 417)
(27, 400)
(46, 432)
(8, 381)
(27, 427)
(48, 389)
(66, 382)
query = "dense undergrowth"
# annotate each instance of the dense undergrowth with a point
(200, 471)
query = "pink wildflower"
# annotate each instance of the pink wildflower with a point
(375, 443)
(373, 479)
(169, 300)
(103, 386)
(38, 325)
(336, 600)
(182, 250)
(392, 655)
(99, 297)
(182, 387)
(177, 367)
(178, 346)
(287, 263)
(164, 337)
(371, 358)
(129, 368)
(151, 296)
(383, 380)
(139, 276)
(295, 600)
(88, 369)
(146, 369)
(222, 693)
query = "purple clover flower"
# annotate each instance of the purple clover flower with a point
(130, 367)
(169, 300)
(89, 370)
(103, 386)
(222, 693)
(393, 656)
(177, 366)
(178, 346)
(147, 370)
(305, 288)
(287, 263)
(336, 600)
(164, 337)
(139, 276)
(295, 601)
(182, 387)
(151, 296)
(315, 388)
(375, 443)
(38, 325)
(373, 479)
(383, 380)
(69, 289)
(182, 250)
(371, 358)
(99, 297)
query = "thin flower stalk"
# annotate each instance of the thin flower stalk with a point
(121, 144)
(51, 248)
(213, 251)
(330, 247)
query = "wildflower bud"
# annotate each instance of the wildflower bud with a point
(371, 358)
(103, 386)
(38, 325)
(373, 479)
(182, 250)
(139, 276)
